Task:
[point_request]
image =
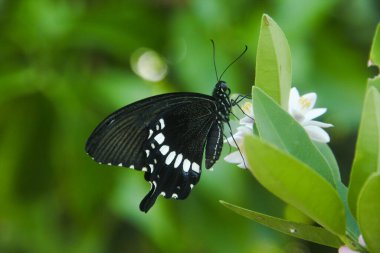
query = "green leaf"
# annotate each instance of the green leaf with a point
(366, 160)
(329, 157)
(351, 224)
(296, 183)
(374, 55)
(352, 227)
(303, 231)
(273, 62)
(279, 128)
(368, 212)
(375, 82)
(374, 58)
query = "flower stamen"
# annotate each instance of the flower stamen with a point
(304, 103)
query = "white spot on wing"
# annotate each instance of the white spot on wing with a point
(150, 133)
(120, 165)
(151, 167)
(175, 196)
(164, 149)
(178, 160)
(186, 165)
(147, 152)
(159, 138)
(109, 163)
(170, 158)
(162, 123)
(191, 186)
(195, 167)
(144, 169)
(163, 194)
(132, 166)
(152, 145)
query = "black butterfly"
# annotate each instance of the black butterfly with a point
(165, 136)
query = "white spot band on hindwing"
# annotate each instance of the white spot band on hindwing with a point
(170, 157)
(195, 167)
(164, 149)
(178, 160)
(151, 168)
(186, 165)
(162, 123)
(160, 138)
(150, 133)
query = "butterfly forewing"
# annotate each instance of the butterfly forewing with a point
(118, 139)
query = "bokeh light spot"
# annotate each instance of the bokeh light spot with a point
(149, 65)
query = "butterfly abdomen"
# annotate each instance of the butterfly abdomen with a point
(214, 144)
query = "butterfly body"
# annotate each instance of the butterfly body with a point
(165, 136)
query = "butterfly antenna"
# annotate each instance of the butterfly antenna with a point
(237, 58)
(233, 138)
(213, 57)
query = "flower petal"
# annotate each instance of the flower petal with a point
(311, 98)
(243, 165)
(233, 157)
(247, 121)
(313, 113)
(317, 123)
(317, 134)
(231, 142)
(237, 138)
(293, 99)
(361, 241)
(244, 130)
(297, 115)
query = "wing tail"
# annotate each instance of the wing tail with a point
(149, 199)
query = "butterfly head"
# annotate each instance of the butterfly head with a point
(221, 90)
(221, 94)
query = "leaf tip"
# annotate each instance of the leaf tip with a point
(266, 19)
(224, 203)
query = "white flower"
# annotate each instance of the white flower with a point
(361, 241)
(345, 249)
(301, 109)
(245, 128)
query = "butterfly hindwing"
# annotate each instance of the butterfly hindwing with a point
(174, 149)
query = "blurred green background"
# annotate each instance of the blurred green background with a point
(65, 65)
